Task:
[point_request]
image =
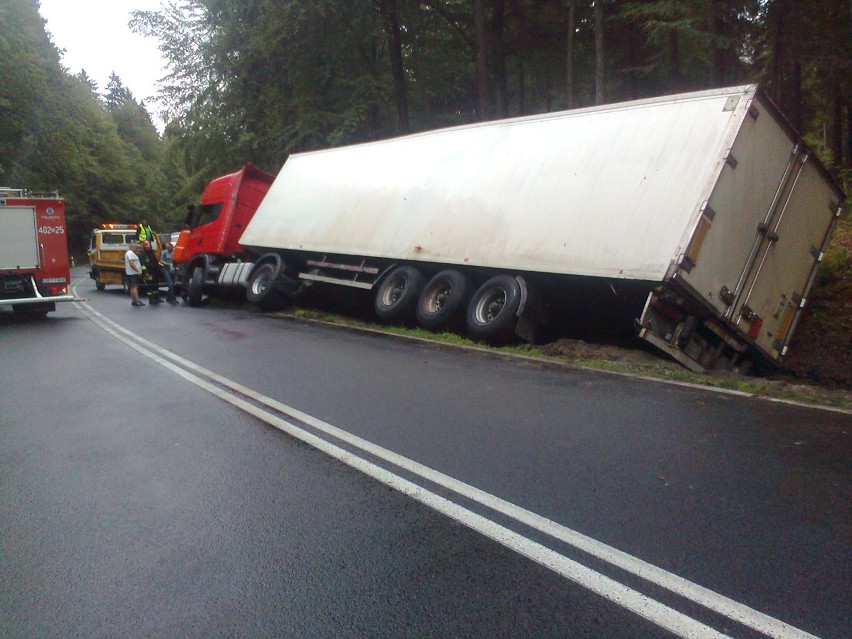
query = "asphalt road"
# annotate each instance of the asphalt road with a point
(193, 485)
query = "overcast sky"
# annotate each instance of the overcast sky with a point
(95, 37)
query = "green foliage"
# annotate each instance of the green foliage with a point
(29, 62)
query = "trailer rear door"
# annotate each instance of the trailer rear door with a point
(757, 165)
(18, 238)
(786, 260)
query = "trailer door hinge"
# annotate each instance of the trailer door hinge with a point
(730, 160)
(726, 295)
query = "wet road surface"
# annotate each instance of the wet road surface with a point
(141, 498)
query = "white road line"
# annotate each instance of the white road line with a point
(731, 609)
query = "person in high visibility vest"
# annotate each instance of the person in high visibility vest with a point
(151, 273)
(144, 232)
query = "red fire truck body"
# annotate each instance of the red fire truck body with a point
(34, 269)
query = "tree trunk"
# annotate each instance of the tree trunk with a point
(716, 60)
(794, 96)
(481, 59)
(837, 123)
(675, 79)
(569, 55)
(848, 158)
(390, 14)
(600, 93)
(498, 24)
(522, 88)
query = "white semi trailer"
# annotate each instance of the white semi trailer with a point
(702, 217)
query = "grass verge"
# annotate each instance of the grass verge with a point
(626, 363)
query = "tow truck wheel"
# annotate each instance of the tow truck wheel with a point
(443, 299)
(195, 288)
(97, 277)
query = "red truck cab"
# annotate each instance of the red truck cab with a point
(227, 205)
(208, 255)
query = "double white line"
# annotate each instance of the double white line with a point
(679, 624)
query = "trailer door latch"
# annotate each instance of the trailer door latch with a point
(726, 295)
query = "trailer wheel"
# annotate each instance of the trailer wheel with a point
(260, 289)
(195, 288)
(443, 299)
(492, 312)
(397, 292)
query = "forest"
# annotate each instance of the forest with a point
(256, 80)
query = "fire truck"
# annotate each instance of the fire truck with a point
(34, 269)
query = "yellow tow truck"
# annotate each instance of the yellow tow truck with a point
(107, 246)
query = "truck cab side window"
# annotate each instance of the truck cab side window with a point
(205, 214)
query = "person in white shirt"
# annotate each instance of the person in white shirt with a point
(133, 272)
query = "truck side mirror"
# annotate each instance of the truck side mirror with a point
(190, 214)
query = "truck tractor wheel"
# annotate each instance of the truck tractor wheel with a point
(492, 312)
(443, 299)
(398, 292)
(260, 289)
(195, 287)
(99, 285)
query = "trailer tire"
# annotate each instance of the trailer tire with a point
(259, 287)
(492, 311)
(398, 292)
(443, 299)
(195, 287)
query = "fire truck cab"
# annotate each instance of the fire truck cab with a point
(34, 268)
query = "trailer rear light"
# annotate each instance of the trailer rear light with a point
(56, 290)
